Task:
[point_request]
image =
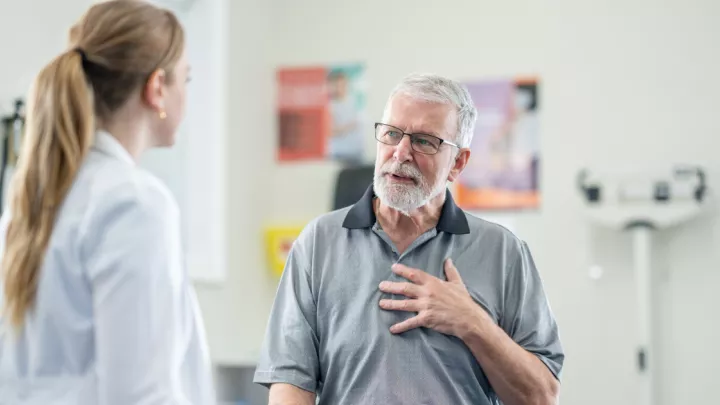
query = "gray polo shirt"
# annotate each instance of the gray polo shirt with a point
(327, 334)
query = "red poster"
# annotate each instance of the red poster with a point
(321, 113)
(303, 115)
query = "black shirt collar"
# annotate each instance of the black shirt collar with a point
(361, 215)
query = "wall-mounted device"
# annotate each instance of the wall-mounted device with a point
(641, 203)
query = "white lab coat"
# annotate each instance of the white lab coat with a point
(116, 321)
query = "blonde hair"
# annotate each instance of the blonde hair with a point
(114, 48)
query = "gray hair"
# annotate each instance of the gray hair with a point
(438, 89)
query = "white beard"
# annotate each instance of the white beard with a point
(405, 197)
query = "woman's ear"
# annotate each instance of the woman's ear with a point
(154, 90)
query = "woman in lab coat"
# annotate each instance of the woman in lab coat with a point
(96, 304)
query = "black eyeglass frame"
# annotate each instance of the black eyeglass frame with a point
(412, 137)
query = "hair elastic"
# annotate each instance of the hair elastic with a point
(82, 54)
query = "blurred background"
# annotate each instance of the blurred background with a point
(616, 86)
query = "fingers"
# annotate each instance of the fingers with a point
(407, 289)
(401, 305)
(414, 275)
(451, 272)
(406, 325)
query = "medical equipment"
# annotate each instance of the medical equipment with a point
(13, 126)
(641, 203)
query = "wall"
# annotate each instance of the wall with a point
(236, 311)
(629, 84)
(30, 40)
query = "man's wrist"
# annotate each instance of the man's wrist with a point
(475, 325)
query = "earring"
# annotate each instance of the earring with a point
(163, 115)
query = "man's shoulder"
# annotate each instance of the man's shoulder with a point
(325, 224)
(333, 219)
(480, 225)
(492, 232)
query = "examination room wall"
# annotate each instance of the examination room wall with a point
(622, 84)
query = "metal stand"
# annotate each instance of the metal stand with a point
(640, 206)
(642, 239)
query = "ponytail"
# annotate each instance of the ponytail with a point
(59, 131)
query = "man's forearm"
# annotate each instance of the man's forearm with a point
(286, 394)
(517, 376)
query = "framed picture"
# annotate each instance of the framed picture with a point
(503, 170)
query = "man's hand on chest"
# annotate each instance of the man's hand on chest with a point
(445, 306)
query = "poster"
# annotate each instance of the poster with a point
(278, 242)
(321, 113)
(503, 170)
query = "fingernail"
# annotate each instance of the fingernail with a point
(383, 284)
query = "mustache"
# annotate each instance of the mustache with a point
(405, 170)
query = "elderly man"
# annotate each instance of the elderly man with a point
(403, 298)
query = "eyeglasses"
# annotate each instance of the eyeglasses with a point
(423, 143)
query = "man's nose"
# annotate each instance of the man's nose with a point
(403, 150)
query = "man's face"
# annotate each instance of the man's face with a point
(404, 178)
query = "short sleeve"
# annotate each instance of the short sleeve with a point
(527, 316)
(290, 350)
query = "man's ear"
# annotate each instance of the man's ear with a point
(154, 90)
(461, 160)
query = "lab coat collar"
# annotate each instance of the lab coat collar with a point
(109, 145)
